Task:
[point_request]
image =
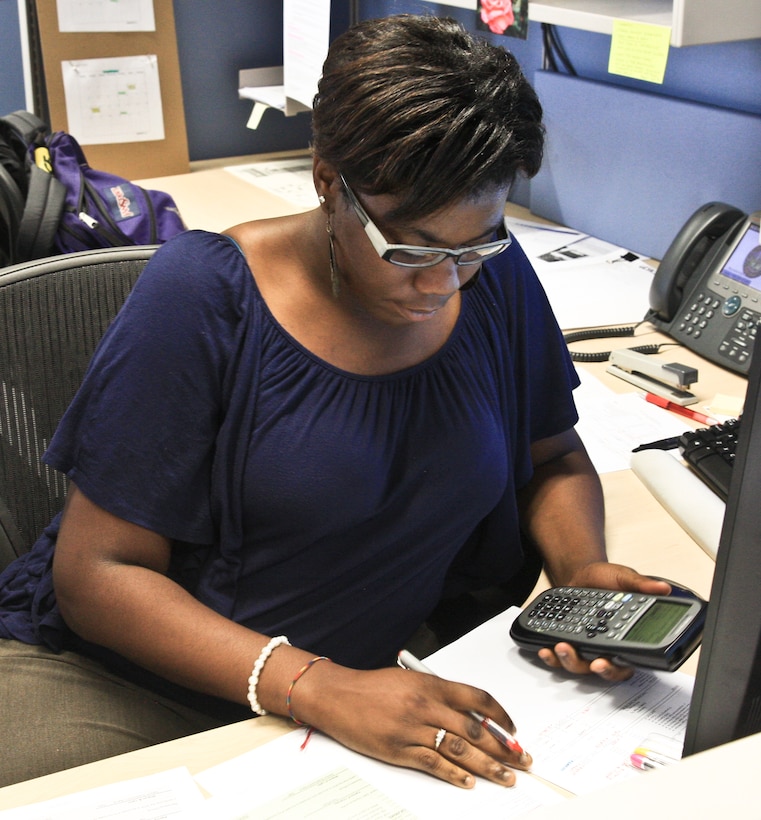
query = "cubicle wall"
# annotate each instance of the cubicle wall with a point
(628, 160)
(12, 93)
(631, 166)
(663, 151)
(216, 40)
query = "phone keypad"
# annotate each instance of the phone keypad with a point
(701, 311)
(589, 612)
(737, 344)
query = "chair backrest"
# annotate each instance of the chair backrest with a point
(53, 312)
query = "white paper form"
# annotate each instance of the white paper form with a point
(612, 424)
(172, 793)
(324, 779)
(105, 15)
(290, 179)
(579, 730)
(306, 36)
(339, 794)
(113, 99)
(589, 282)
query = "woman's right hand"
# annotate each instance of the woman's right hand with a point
(396, 715)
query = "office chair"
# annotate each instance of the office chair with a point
(53, 312)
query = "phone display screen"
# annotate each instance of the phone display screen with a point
(744, 264)
(655, 625)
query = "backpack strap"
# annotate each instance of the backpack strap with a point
(29, 126)
(11, 210)
(35, 217)
(42, 214)
(11, 198)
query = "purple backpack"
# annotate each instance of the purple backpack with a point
(51, 201)
(102, 210)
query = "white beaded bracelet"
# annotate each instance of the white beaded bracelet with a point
(253, 681)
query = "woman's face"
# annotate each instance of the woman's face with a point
(400, 295)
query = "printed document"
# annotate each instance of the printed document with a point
(114, 99)
(105, 15)
(580, 732)
(589, 282)
(323, 779)
(172, 793)
(579, 729)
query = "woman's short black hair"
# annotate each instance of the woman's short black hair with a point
(417, 107)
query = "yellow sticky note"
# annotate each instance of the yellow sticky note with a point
(724, 405)
(639, 50)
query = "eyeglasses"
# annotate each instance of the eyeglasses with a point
(420, 256)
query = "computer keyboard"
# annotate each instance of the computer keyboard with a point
(710, 452)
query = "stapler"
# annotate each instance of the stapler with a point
(670, 380)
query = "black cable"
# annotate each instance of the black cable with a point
(549, 53)
(608, 333)
(558, 46)
(554, 51)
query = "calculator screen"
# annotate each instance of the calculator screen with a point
(657, 622)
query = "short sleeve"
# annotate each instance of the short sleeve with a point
(543, 371)
(139, 437)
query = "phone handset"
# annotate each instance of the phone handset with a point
(683, 258)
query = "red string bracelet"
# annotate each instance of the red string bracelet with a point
(305, 668)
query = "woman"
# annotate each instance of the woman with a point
(298, 437)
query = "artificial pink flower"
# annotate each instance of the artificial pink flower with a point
(497, 14)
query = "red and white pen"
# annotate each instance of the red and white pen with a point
(645, 763)
(677, 408)
(408, 661)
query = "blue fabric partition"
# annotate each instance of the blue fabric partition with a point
(630, 167)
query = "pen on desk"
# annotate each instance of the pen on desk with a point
(655, 756)
(408, 661)
(677, 408)
(645, 763)
(662, 444)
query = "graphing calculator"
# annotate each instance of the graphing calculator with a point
(655, 631)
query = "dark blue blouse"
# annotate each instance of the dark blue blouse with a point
(305, 500)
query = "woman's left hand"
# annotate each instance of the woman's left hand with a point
(601, 575)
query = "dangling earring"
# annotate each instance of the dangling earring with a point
(335, 283)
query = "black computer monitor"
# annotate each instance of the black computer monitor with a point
(726, 700)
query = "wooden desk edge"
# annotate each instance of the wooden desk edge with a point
(197, 752)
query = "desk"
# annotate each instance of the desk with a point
(640, 533)
(214, 199)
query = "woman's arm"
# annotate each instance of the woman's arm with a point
(563, 511)
(112, 588)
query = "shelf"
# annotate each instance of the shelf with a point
(692, 22)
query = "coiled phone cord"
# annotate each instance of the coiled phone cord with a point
(605, 333)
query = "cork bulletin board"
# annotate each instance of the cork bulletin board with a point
(163, 148)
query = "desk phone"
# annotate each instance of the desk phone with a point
(706, 292)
